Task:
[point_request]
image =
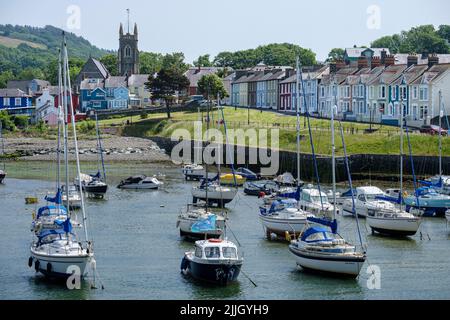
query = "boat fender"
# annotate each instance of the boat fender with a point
(261, 195)
(36, 265)
(49, 267)
(215, 240)
(184, 264)
(30, 262)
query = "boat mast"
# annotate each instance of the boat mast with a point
(60, 118)
(3, 147)
(100, 147)
(333, 154)
(207, 133)
(66, 125)
(401, 145)
(297, 92)
(72, 111)
(441, 114)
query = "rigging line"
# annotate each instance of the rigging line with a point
(350, 182)
(412, 168)
(310, 136)
(100, 148)
(72, 118)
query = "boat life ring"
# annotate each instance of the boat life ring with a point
(215, 240)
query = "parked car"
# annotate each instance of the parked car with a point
(433, 130)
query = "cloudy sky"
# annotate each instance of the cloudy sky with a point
(210, 26)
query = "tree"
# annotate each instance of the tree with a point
(111, 63)
(393, 43)
(165, 84)
(336, 54)
(51, 71)
(5, 77)
(150, 63)
(174, 61)
(30, 73)
(224, 59)
(203, 61)
(210, 85)
(223, 72)
(444, 32)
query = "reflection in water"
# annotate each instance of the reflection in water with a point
(57, 288)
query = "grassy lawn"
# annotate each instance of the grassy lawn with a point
(385, 141)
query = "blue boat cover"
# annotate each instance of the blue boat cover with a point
(348, 193)
(314, 230)
(56, 199)
(280, 204)
(207, 224)
(438, 184)
(53, 210)
(96, 176)
(67, 225)
(292, 195)
(425, 190)
(391, 199)
(329, 223)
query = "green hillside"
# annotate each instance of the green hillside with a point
(23, 47)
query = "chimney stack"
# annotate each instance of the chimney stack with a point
(362, 62)
(389, 60)
(376, 62)
(432, 60)
(383, 56)
(412, 60)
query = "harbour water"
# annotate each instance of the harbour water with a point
(138, 248)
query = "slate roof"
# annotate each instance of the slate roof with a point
(356, 52)
(101, 68)
(432, 73)
(91, 84)
(138, 80)
(389, 74)
(12, 93)
(402, 58)
(116, 82)
(194, 74)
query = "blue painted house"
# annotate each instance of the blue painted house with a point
(93, 95)
(117, 92)
(15, 101)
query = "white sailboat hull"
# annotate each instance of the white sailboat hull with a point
(394, 226)
(61, 265)
(217, 194)
(339, 265)
(279, 226)
(136, 186)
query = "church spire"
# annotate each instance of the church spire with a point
(135, 30)
(121, 29)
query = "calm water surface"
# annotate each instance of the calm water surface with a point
(138, 249)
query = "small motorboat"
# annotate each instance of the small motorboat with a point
(140, 182)
(393, 223)
(286, 179)
(283, 216)
(187, 219)
(92, 184)
(429, 201)
(248, 174)
(193, 172)
(74, 196)
(214, 260)
(56, 252)
(318, 249)
(230, 179)
(312, 202)
(257, 188)
(367, 199)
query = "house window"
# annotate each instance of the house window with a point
(17, 102)
(414, 111)
(394, 93)
(403, 93)
(383, 92)
(414, 92)
(6, 102)
(423, 94)
(382, 107)
(423, 112)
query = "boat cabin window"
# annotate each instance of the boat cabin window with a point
(317, 199)
(306, 197)
(229, 252)
(373, 196)
(198, 252)
(212, 252)
(362, 198)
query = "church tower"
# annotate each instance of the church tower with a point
(128, 55)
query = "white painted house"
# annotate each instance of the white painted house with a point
(45, 108)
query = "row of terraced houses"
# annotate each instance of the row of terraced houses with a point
(368, 85)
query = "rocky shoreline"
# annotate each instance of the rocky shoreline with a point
(115, 148)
